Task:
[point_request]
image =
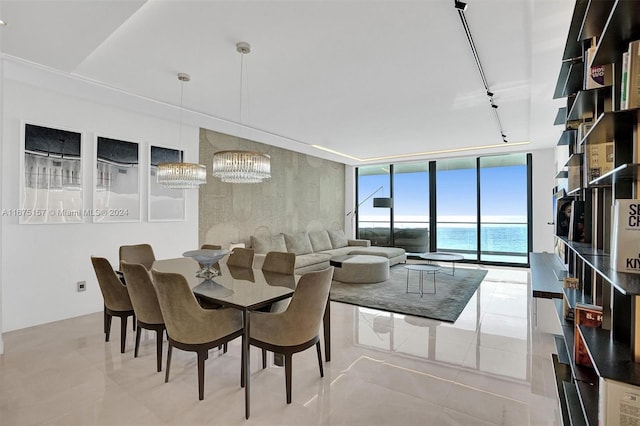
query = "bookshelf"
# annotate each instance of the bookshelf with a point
(594, 127)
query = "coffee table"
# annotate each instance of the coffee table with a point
(422, 268)
(360, 269)
(438, 256)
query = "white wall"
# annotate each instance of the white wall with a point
(42, 263)
(543, 181)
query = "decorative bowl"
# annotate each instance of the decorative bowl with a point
(206, 258)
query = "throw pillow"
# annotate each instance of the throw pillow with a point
(320, 241)
(338, 239)
(268, 243)
(298, 243)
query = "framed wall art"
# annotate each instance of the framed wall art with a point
(52, 181)
(117, 181)
(165, 204)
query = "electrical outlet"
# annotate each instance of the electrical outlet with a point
(82, 285)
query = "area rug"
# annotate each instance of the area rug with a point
(452, 295)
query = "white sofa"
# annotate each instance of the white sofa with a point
(314, 250)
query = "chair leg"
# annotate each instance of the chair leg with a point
(135, 352)
(287, 375)
(166, 373)
(159, 334)
(225, 347)
(134, 322)
(107, 326)
(319, 358)
(123, 333)
(202, 356)
(242, 372)
(264, 358)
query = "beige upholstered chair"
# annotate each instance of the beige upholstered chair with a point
(116, 299)
(297, 328)
(145, 305)
(280, 262)
(189, 327)
(241, 257)
(211, 247)
(139, 253)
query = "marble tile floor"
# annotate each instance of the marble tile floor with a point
(490, 367)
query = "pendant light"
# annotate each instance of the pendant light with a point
(241, 166)
(181, 175)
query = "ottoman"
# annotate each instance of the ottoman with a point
(360, 269)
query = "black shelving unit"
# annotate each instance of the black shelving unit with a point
(614, 349)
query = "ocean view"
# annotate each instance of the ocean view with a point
(500, 235)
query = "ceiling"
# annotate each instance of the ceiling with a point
(364, 78)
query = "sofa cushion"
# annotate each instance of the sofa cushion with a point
(311, 259)
(388, 252)
(338, 239)
(267, 243)
(320, 240)
(298, 243)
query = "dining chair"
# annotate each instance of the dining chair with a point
(117, 302)
(138, 253)
(298, 327)
(145, 305)
(211, 247)
(280, 262)
(241, 257)
(190, 327)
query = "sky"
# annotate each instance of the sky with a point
(503, 193)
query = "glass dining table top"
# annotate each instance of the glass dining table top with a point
(238, 287)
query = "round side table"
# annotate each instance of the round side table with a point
(429, 269)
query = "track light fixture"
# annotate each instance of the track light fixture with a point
(461, 7)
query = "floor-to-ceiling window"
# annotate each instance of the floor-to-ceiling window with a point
(479, 207)
(373, 223)
(457, 207)
(503, 208)
(411, 207)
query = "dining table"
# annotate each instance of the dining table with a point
(245, 289)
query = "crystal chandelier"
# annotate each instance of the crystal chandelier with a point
(180, 175)
(241, 166)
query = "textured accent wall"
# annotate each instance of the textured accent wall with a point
(305, 193)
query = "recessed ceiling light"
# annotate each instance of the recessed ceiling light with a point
(2, 23)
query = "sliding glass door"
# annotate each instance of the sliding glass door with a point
(478, 207)
(504, 208)
(411, 207)
(457, 207)
(373, 223)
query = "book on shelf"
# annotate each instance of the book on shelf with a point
(599, 159)
(563, 217)
(633, 76)
(570, 283)
(618, 403)
(585, 315)
(596, 76)
(625, 236)
(624, 81)
(576, 222)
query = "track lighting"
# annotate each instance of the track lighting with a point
(460, 5)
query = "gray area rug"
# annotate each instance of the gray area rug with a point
(453, 293)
